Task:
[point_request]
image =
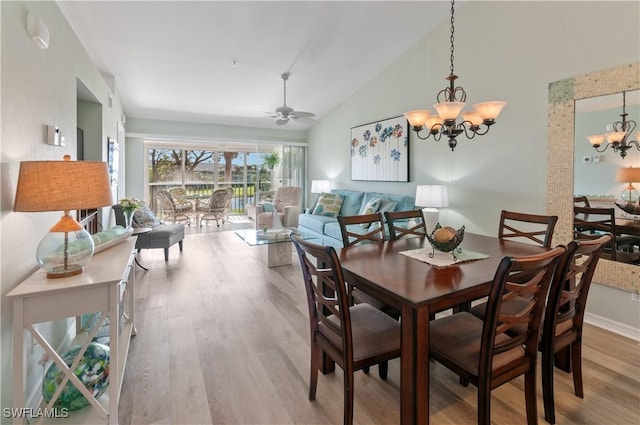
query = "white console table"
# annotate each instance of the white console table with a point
(107, 281)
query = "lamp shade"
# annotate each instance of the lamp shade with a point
(62, 186)
(434, 196)
(628, 175)
(320, 186)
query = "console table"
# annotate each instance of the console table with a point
(107, 287)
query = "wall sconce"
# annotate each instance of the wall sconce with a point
(431, 197)
(63, 186)
(38, 31)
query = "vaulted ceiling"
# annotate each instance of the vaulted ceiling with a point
(221, 61)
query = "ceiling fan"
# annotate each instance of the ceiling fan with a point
(285, 113)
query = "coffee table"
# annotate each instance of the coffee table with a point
(276, 246)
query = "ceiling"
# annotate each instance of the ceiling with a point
(221, 61)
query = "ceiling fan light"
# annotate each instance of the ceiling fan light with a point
(489, 110)
(449, 110)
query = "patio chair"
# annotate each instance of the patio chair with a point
(174, 210)
(216, 207)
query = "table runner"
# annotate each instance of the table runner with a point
(443, 259)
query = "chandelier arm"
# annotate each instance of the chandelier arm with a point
(417, 133)
(469, 131)
(634, 143)
(603, 149)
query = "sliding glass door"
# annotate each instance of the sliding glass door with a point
(247, 168)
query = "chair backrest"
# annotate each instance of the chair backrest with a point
(167, 202)
(371, 228)
(567, 298)
(581, 201)
(498, 334)
(533, 227)
(178, 193)
(399, 231)
(327, 298)
(591, 223)
(287, 195)
(219, 198)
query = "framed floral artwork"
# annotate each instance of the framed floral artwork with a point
(380, 151)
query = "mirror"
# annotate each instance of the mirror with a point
(594, 173)
(563, 95)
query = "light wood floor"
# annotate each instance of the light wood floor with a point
(222, 339)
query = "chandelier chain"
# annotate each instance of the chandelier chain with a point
(452, 35)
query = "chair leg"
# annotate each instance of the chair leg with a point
(547, 386)
(366, 370)
(383, 368)
(348, 397)
(166, 254)
(530, 396)
(315, 365)
(576, 363)
(484, 403)
(180, 244)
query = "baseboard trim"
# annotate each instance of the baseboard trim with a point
(613, 326)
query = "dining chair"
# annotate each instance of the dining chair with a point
(527, 227)
(581, 201)
(399, 223)
(485, 353)
(355, 337)
(172, 209)
(366, 228)
(591, 223)
(564, 316)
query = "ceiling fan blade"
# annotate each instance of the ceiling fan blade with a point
(301, 114)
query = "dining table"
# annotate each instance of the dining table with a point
(419, 290)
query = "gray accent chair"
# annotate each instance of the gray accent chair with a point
(162, 235)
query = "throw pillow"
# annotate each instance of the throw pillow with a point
(267, 206)
(328, 205)
(144, 217)
(370, 208)
(387, 204)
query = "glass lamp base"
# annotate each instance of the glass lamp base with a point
(630, 195)
(64, 254)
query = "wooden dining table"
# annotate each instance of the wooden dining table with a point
(418, 289)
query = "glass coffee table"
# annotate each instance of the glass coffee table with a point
(276, 245)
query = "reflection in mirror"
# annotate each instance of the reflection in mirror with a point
(560, 161)
(595, 173)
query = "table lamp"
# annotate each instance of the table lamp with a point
(320, 186)
(629, 175)
(431, 197)
(63, 186)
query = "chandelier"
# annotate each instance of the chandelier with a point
(618, 138)
(450, 102)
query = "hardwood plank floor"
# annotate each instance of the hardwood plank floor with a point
(222, 339)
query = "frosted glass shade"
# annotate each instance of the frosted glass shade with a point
(418, 117)
(433, 120)
(473, 117)
(449, 110)
(615, 136)
(489, 110)
(596, 139)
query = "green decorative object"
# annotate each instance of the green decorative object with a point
(92, 370)
(449, 245)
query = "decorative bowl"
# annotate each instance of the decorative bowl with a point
(449, 245)
(633, 209)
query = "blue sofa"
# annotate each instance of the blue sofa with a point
(327, 229)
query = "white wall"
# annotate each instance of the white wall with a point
(38, 87)
(504, 51)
